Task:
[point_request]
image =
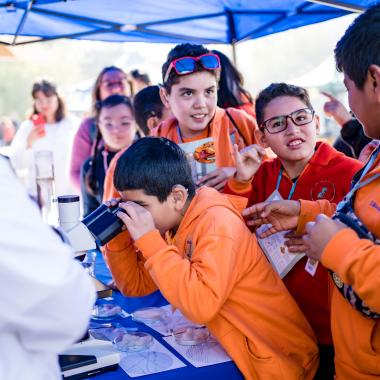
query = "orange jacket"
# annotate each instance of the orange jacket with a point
(215, 273)
(221, 129)
(357, 262)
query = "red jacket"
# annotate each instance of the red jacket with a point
(328, 176)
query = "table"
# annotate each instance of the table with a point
(219, 371)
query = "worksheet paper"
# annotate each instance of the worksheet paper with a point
(201, 355)
(274, 246)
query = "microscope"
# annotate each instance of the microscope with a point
(89, 356)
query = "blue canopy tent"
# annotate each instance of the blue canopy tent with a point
(201, 21)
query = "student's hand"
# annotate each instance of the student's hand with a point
(367, 150)
(35, 134)
(281, 215)
(138, 220)
(334, 108)
(217, 178)
(319, 233)
(248, 161)
(112, 202)
(295, 243)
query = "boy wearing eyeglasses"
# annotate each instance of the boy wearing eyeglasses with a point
(303, 169)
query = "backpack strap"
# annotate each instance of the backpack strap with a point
(237, 128)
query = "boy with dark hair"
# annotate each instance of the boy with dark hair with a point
(303, 169)
(209, 267)
(149, 110)
(190, 84)
(347, 244)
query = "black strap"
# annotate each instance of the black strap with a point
(237, 128)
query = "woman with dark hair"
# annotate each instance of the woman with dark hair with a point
(116, 130)
(231, 92)
(111, 80)
(48, 128)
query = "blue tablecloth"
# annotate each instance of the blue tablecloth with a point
(219, 371)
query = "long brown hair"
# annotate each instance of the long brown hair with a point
(49, 89)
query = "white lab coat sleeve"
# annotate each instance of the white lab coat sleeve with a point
(20, 155)
(46, 296)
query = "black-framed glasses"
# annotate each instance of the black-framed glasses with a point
(280, 123)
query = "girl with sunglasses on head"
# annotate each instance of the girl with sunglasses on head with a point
(48, 128)
(303, 169)
(116, 130)
(111, 80)
(190, 84)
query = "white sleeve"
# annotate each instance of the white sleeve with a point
(46, 296)
(19, 153)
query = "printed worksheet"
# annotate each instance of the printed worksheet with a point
(156, 359)
(274, 246)
(201, 355)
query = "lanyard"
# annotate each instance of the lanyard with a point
(292, 190)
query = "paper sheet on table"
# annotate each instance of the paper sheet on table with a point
(156, 359)
(174, 321)
(274, 246)
(201, 355)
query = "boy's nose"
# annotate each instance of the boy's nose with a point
(200, 102)
(290, 126)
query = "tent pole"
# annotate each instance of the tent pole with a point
(341, 5)
(234, 58)
(22, 22)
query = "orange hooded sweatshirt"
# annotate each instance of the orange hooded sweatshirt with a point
(357, 262)
(221, 129)
(215, 273)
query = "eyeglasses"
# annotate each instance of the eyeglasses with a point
(110, 84)
(280, 123)
(187, 65)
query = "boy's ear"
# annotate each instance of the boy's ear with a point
(374, 80)
(179, 197)
(152, 122)
(164, 97)
(317, 124)
(260, 136)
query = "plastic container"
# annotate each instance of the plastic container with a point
(191, 336)
(133, 341)
(150, 315)
(106, 311)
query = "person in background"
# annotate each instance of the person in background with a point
(149, 110)
(7, 130)
(351, 139)
(49, 128)
(116, 130)
(46, 298)
(111, 80)
(138, 81)
(231, 92)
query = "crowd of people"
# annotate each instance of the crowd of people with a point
(197, 164)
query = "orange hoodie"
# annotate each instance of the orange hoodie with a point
(357, 262)
(221, 129)
(215, 273)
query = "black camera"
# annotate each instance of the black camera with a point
(104, 224)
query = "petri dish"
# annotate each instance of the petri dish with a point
(191, 336)
(106, 311)
(149, 315)
(133, 341)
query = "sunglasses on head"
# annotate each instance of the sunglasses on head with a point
(187, 65)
